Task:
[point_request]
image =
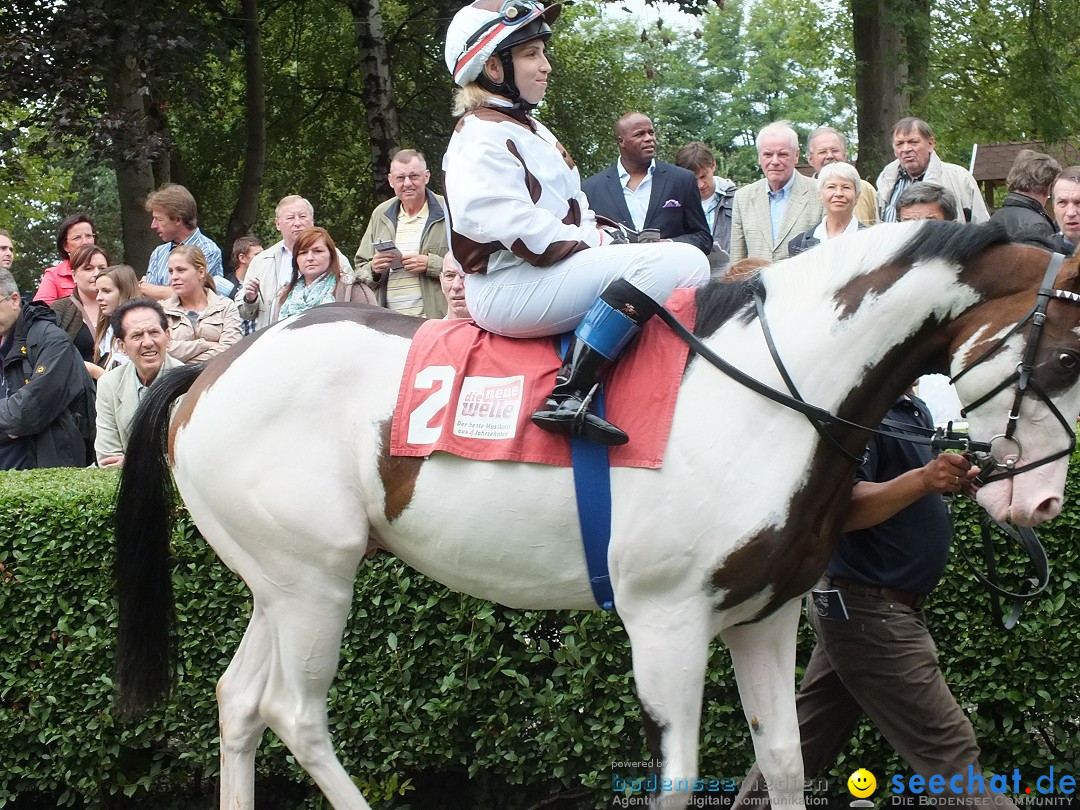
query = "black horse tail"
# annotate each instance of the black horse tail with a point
(145, 504)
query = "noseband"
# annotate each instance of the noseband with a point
(1000, 463)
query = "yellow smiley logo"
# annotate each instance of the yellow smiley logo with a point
(861, 783)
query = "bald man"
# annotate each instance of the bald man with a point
(643, 193)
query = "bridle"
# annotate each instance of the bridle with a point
(1025, 382)
(982, 452)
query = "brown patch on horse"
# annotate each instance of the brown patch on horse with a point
(849, 297)
(789, 559)
(1010, 295)
(398, 474)
(214, 369)
(654, 737)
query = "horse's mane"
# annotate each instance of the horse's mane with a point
(720, 301)
(951, 241)
(801, 279)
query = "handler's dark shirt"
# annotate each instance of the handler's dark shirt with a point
(908, 551)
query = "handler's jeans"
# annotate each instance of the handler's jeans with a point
(527, 301)
(881, 661)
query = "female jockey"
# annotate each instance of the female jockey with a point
(535, 261)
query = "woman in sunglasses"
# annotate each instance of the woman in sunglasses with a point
(536, 261)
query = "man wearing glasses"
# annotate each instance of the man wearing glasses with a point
(401, 254)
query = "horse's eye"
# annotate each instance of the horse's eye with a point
(1069, 361)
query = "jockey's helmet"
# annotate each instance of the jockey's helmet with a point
(487, 27)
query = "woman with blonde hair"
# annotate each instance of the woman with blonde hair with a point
(115, 285)
(316, 278)
(202, 323)
(78, 311)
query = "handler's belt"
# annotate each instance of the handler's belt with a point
(912, 600)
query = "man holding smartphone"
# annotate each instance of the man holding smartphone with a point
(401, 254)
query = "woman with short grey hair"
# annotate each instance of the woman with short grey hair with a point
(839, 185)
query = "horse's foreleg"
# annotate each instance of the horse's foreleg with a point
(669, 655)
(306, 624)
(238, 693)
(764, 657)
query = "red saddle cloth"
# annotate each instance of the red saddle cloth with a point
(471, 393)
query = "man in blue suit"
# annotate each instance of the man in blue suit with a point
(641, 192)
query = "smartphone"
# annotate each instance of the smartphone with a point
(390, 247)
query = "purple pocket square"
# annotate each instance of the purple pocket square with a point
(673, 204)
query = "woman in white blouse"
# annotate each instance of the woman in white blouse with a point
(839, 187)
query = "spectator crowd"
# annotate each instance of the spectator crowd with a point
(78, 355)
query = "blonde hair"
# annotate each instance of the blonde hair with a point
(470, 97)
(198, 260)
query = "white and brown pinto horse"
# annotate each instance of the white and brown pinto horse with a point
(722, 541)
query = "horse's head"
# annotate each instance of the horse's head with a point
(1016, 365)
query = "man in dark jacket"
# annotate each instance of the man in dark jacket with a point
(46, 396)
(644, 193)
(1023, 213)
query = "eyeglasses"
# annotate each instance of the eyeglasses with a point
(513, 12)
(413, 178)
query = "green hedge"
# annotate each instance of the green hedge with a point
(438, 692)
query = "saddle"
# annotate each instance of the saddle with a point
(469, 392)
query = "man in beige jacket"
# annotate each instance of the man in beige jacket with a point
(770, 212)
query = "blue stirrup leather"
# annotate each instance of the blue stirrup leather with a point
(592, 487)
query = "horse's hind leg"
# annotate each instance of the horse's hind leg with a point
(306, 623)
(239, 692)
(764, 657)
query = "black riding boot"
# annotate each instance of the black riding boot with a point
(600, 338)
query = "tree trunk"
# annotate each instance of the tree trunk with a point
(378, 88)
(134, 172)
(243, 215)
(891, 52)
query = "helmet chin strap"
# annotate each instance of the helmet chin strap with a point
(506, 88)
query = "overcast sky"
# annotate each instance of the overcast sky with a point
(646, 14)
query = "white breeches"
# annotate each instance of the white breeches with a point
(526, 301)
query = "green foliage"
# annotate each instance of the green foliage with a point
(600, 71)
(435, 688)
(1003, 70)
(754, 62)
